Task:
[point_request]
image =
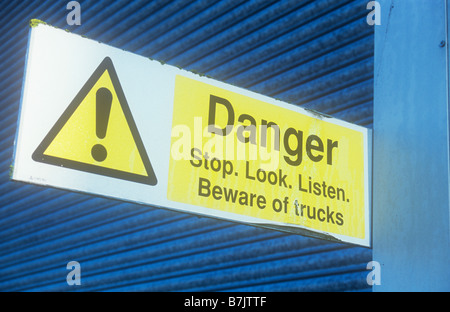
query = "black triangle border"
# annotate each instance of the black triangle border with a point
(39, 155)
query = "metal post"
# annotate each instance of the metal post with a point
(411, 235)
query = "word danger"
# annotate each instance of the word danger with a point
(294, 144)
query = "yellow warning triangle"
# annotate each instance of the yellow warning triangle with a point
(97, 133)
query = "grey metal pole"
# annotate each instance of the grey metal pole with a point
(411, 147)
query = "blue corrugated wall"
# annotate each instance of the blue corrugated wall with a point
(318, 54)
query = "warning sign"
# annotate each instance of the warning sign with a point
(244, 156)
(103, 121)
(97, 133)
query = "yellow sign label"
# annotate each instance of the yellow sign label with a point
(237, 154)
(97, 133)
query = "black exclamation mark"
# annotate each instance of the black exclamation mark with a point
(103, 109)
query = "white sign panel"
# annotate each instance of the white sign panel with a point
(103, 121)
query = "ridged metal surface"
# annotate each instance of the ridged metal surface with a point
(318, 54)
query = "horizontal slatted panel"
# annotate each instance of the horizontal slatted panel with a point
(318, 54)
